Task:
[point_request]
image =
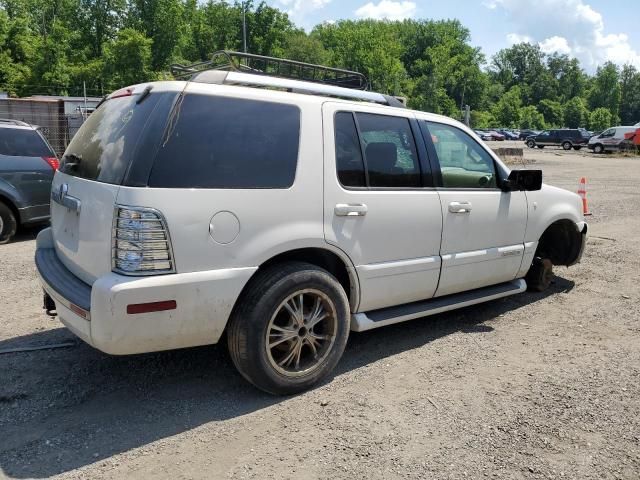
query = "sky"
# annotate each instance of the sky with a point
(594, 31)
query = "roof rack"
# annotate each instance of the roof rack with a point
(226, 67)
(275, 67)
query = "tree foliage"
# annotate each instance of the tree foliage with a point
(600, 119)
(530, 117)
(57, 46)
(576, 113)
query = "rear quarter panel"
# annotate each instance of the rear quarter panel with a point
(270, 221)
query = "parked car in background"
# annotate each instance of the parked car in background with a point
(527, 133)
(609, 140)
(508, 134)
(483, 135)
(495, 136)
(27, 165)
(567, 138)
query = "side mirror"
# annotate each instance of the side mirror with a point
(521, 180)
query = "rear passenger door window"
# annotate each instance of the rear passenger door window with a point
(389, 151)
(463, 162)
(375, 151)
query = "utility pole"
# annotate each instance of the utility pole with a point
(84, 91)
(244, 26)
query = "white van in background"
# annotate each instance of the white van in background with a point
(609, 140)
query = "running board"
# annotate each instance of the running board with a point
(401, 313)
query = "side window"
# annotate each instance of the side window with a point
(463, 162)
(389, 150)
(223, 142)
(608, 133)
(349, 163)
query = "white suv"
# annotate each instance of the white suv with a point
(284, 217)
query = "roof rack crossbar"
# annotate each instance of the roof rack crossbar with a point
(279, 67)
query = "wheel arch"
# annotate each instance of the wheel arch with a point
(9, 202)
(334, 261)
(561, 242)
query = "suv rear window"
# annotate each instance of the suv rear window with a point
(17, 142)
(220, 142)
(108, 141)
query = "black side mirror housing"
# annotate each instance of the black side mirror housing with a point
(523, 180)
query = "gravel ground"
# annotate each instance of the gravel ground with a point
(533, 386)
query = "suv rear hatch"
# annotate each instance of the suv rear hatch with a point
(114, 144)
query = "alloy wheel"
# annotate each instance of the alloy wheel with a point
(301, 333)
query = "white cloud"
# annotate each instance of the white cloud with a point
(298, 9)
(513, 38)
(387, 9)
(555, 44)
(566, 26)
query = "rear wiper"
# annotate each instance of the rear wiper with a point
(76, 160)
(145, 93)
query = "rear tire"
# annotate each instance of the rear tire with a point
(8, 224)
(577, 148)
(540, 146)
(566, 145)
(289, 329)
(539, 275)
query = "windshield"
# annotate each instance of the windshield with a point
(17, 142)
(108, 141)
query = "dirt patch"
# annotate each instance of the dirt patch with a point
(533, 386)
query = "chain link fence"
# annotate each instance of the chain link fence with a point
(58, 118)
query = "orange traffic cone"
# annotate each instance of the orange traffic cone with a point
(582, 191)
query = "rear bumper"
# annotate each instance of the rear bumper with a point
(98, 313)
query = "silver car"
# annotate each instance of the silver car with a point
(27, 165)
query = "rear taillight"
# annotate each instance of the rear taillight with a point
(141, 242)
(52, 161)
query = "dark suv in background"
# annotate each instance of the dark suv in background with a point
(27, 165)
(567, 138)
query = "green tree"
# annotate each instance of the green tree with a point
(438, 55)
(552, 112)
(606, 89)
(98, 21)
(570, 78)
(163, 22)
(305, 48)
(523, 64)
(600, 119)
(128, 58)
(629, 95)
(530, 117)
(366, 46)
(576, 113)
(507, 110)
(482, 119)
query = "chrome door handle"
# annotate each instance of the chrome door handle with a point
(460, 207)
(350, 210)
